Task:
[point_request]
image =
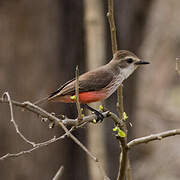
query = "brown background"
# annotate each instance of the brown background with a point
(41, 42)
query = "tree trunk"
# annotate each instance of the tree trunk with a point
(41, 43)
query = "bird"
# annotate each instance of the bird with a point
(100, 83)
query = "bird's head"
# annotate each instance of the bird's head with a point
(127, 62)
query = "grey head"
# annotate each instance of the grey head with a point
(127, 62)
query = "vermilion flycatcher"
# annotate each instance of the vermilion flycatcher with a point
(99, 84)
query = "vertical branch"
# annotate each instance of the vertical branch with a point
(124, 162)
(77, 94)
(110, 16)
(123, 159)
(120, 104)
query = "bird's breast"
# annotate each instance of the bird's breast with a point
(114, 84)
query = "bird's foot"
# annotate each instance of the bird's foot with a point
(99, 115)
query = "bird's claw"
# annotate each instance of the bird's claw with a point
(99, 115)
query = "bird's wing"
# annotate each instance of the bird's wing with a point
(90, 81)
(60, 88)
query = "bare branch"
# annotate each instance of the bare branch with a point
(77, 95)
(123, 159)
(41, 112)
(33, 108)
(120, 104)
(153, 137)
(6, 94)
(66, 121)
(86, 119)
(36, 146)
(110, 16)
(124, 150)
(59, 173)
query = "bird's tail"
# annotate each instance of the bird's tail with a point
(41, 101)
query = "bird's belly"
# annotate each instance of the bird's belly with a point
(92, 96)
(84, 97)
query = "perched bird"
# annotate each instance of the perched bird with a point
(99, 84)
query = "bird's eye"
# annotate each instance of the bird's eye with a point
(129, 60)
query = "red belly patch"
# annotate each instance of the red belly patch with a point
(85, 97)
(93, 96)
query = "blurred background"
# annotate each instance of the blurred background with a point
(41, 42)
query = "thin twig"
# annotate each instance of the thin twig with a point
(120, 104)
(6, 94)
(41, 112)
(77, 95)
(110, 16)
(59, 173)
(37, 146)
(153, 137)
(33, 108)
(90, 155)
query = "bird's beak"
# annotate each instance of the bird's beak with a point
(141, 62)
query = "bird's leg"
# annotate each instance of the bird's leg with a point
(99, 115)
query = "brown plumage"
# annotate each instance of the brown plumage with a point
(100, 83)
